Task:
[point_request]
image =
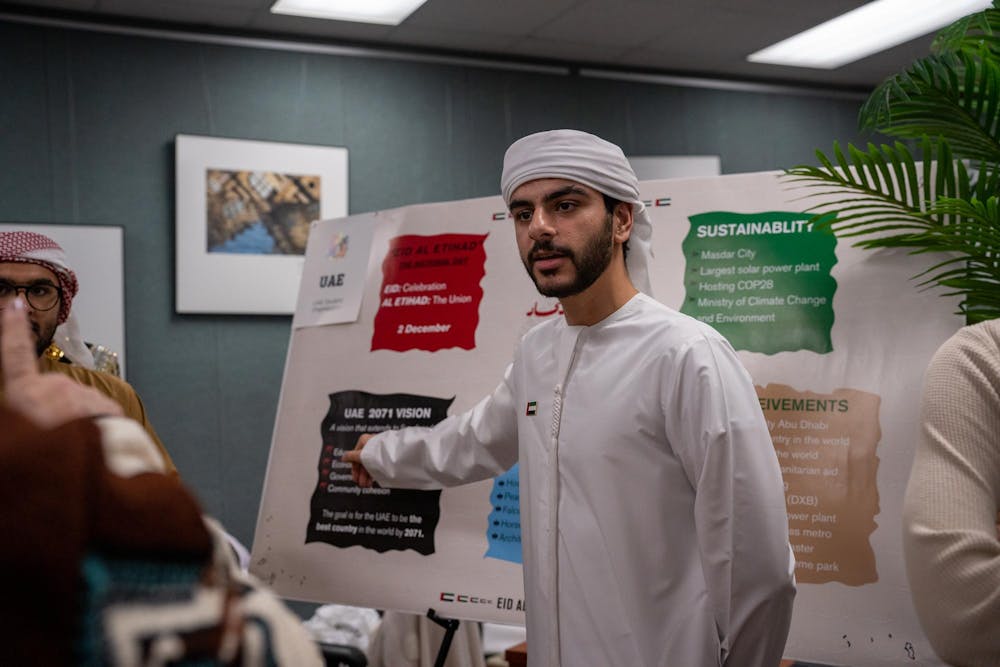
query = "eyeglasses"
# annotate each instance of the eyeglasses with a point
(40, 296)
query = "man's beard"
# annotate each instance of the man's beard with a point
(43, 340)
(594, 260)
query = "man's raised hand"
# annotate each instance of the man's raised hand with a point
(48, 399)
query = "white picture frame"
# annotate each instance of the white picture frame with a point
(230, 195)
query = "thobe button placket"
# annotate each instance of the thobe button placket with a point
(556, 412)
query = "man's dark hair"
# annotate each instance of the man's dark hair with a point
(610, 203)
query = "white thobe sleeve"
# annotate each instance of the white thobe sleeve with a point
(717, 428)
(476, 445)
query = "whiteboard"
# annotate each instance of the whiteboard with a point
(832, 352)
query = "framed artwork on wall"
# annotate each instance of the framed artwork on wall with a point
(243, 210)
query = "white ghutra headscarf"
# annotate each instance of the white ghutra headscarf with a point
(594, 162)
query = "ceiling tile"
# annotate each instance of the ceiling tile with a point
(75, 5)
(573, 52)
(618, 25)
(452, 38)
(216, 13)
(507, 17)
(704, 38)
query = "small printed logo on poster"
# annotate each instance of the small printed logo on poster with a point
(512, 604)
(463, 598)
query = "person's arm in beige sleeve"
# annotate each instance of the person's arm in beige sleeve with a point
(950, 509)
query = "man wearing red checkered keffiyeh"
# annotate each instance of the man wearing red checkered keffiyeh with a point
(27, 258)
(33, 266)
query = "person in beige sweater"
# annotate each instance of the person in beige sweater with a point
(950, 509)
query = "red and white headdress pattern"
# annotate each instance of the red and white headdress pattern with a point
(32, 248)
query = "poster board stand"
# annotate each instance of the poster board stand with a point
(449, 625)
(824, 329)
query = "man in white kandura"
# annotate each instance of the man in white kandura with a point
(652, 507)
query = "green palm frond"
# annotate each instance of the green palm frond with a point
(884, 194)
(973, 268)
(938, 192)
(955, 95)
(970, 33)
(987, 181)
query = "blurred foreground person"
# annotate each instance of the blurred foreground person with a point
(109, 560)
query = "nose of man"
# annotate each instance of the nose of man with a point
(540, 226)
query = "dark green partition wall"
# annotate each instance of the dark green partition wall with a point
(87, 123)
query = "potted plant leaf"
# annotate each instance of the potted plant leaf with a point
(935, 188)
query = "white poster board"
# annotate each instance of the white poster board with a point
(658, 167)
(96, 254)
(823, 328)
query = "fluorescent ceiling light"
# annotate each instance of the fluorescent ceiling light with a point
(871, 28)
(387, 12)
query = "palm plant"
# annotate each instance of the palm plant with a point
(935, 188)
